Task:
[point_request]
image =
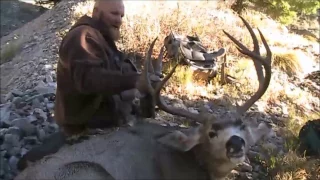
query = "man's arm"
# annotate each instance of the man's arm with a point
(88, 74)
(91, 79)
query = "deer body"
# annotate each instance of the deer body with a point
(148, 151)
(127, 153)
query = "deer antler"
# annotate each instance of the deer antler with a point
(155, 68)
(259, 61)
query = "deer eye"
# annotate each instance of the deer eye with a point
(212, 134)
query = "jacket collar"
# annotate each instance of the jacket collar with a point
(89, 21)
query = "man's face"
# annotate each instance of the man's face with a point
(110, 14)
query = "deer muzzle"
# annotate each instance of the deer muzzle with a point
(235, 147)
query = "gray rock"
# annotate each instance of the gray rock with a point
(255, 175)
(40, 114)
(14, 150)
(26, 97)
(2, 99)
(3, 153)
(256, 168)
(17, 92)
(36, 103)
(173, 124)
(50, 127)
(53, 85)
(233, 174)
(31, 140)
(50, 106)
(23, 151)
(270, 146)
(5, 114)
(46, 100)
(19, 112)
(32, 118)
(4, 166)
(28, 91)
(254, 155)
(13, 161)
(49, 78)
(9, 97)
(17, 101)
(42, 88)
(11, 140)
(24, 125)
(193, 110)
(28, 146)
(179, 105)
(48, 66)
(14, 131)
(3, 131)
(37, 96)
(244, 167)
(15, 115)
(41, 134)
(245, 176)
(207, 106)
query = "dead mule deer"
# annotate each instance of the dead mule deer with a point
(150, 151)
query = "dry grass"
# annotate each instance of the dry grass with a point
(9, 50)
(287, 62)
(146, 20)
(292, 167)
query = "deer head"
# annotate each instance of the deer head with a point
(223, 138)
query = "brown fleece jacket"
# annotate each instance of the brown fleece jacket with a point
(90, 70)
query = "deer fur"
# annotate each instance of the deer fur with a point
(150, 151)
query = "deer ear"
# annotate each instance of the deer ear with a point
(182, 140)
(255, 134)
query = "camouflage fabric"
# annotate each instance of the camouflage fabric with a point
(309, 137)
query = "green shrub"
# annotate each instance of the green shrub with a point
(286, 11)
(8, 51)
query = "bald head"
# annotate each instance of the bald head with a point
(109, 13)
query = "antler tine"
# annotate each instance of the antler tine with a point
(163, 105)
(259, 61)
(159, 85)
(150, 66)
(157, 64)
(256, 50)
(268, 50)
(147, 65)
(169, 109)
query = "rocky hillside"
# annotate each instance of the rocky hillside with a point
(28, 78)
(38, 41)
(15, 14)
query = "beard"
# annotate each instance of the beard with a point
(108, 29)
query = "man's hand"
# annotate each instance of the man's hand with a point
(130, 94)
(141, 84)
(154, 78)
(135, 93)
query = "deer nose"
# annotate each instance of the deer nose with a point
(235, 144)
